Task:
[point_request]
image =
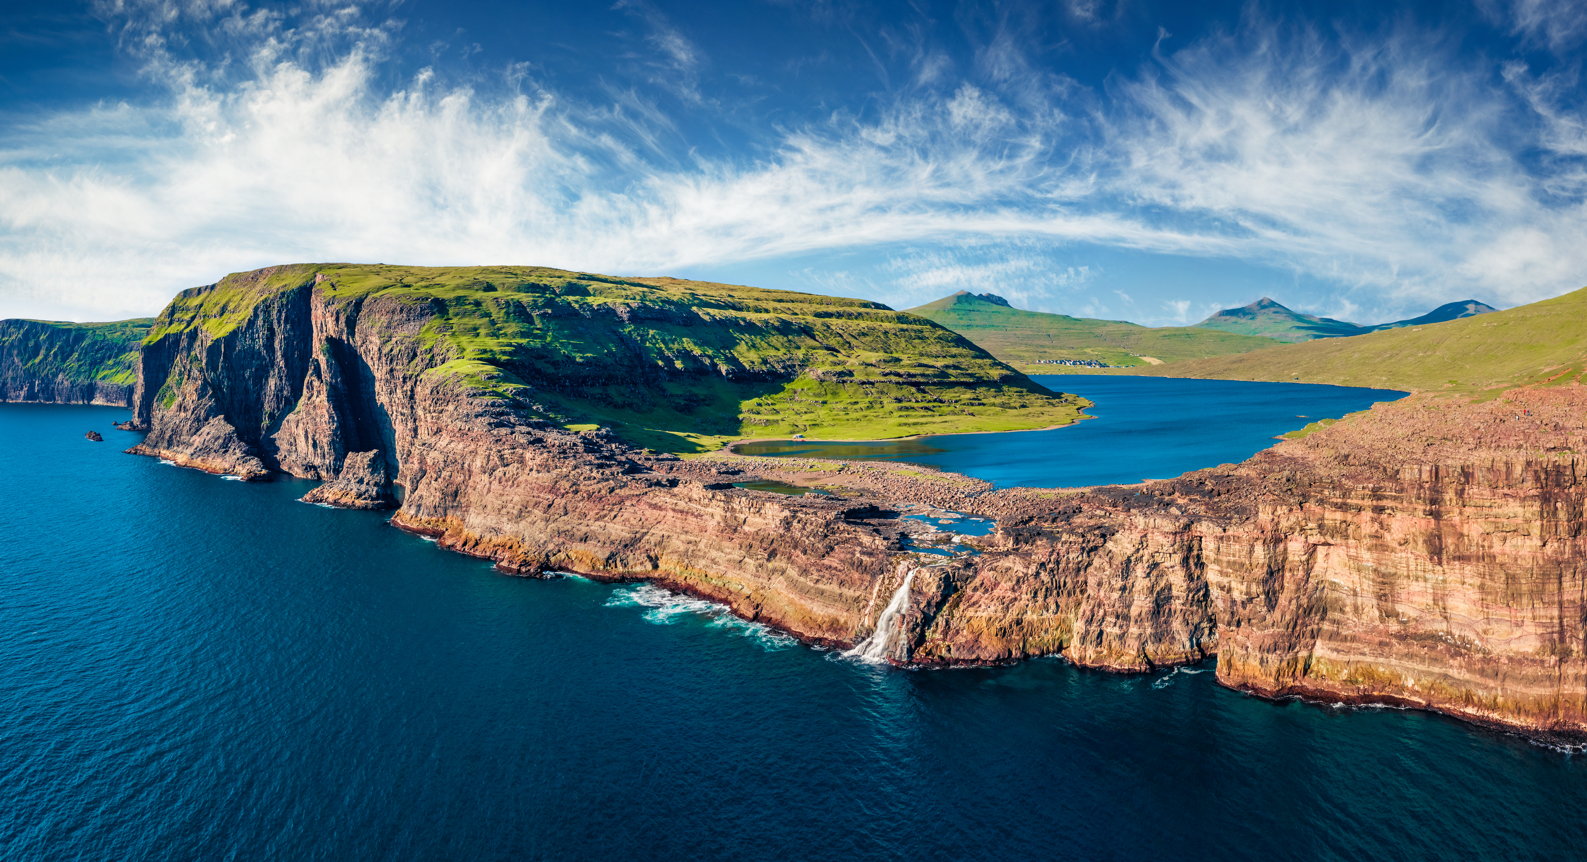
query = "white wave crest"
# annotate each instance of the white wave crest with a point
(664, 607)
(1168, 679)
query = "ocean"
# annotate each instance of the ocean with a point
(196, 668)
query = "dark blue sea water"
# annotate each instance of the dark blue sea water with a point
(194, 668)
(1143, 428)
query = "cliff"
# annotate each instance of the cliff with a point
(69, 363)
(1427, 552)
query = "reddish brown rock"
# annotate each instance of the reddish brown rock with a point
(1427, 553)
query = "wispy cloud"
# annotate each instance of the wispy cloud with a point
(1375, 163)
(1557, 25)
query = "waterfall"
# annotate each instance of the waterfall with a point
(879, 646)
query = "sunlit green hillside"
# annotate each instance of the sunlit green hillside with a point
(1542, 342)
(672, 364)
(79, 352)
(1025, 338)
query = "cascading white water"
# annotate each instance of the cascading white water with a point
(879, 645)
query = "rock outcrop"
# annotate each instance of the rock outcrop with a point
(1427, 553)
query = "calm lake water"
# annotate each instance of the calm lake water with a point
(1144, 428)
(195, 668)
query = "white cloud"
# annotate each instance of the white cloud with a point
(1375, 160)
(1557, 25)
(1018, 272)
(1374, 164)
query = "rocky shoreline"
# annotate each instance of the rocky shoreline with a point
(1426, 553)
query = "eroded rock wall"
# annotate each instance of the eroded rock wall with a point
(1428, 553)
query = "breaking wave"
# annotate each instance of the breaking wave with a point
(1168, 679)
(664, 607)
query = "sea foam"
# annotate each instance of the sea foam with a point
(665, 607)
(1168, 679)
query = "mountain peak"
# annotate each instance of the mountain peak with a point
(965, 297)
(1272, 320)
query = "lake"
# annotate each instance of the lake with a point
(196, 668)
(1142, 428)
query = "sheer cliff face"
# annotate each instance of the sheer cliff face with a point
(69, 363)
(1430, 553)
(1427, 553)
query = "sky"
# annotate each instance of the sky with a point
(1123, 159)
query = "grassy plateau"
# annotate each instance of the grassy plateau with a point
(675, 365)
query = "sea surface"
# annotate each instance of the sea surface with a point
(1142, 428)
(200, 669)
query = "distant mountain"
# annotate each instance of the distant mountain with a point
(1034, 341)
(1543, 343)
(1447, 311)
(1268, 319)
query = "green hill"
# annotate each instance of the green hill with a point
(47, 360)
(1268, 319)
(670, 364)
(1447, 311)
(1271, 320)
(1542, 342)
(1027, 339)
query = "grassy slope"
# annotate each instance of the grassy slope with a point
(78, 351)
(1542, 342)
(677, 365)
(1022, 337)
(1268, 319)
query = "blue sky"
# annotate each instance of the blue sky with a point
(1108, 158)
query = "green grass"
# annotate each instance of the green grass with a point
(1268, 319)
(1544, 343)
(1019, 338)
(219, 308)
(673, 365)
(83, 352)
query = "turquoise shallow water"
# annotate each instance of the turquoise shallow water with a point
(1140, 428)
(195, 668)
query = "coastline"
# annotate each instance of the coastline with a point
(1016, 511)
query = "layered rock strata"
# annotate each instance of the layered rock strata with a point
(1428, 553)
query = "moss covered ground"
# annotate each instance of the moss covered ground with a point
(47, 349)
(673, 365)
(1544, 343)
(1021, 338)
